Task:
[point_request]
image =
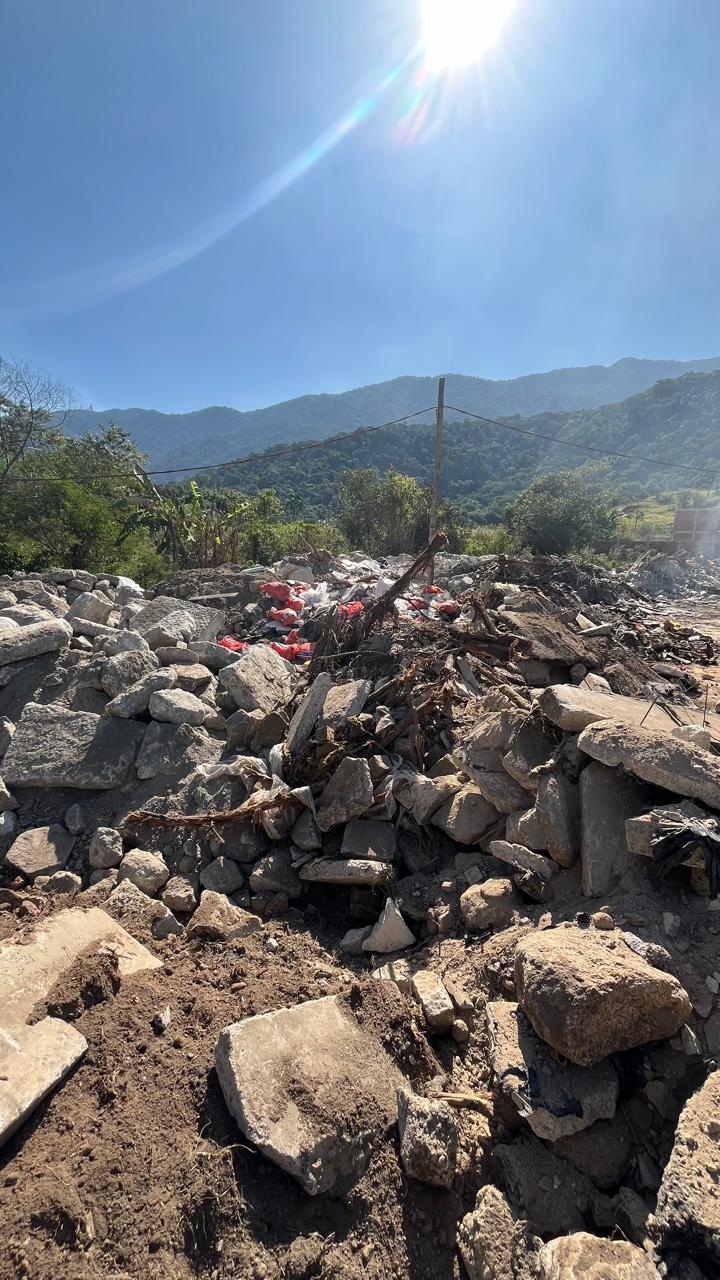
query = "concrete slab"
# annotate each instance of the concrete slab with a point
(33, 1061)
(574, 707)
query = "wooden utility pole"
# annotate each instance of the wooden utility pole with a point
(439, 428)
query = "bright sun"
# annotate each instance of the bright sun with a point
(458, 32)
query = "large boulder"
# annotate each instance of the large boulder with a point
(37, 638)
(488, 905)
(588, 995)
(40, 851)
(311, 1087)
(607, 800)
(348, 794)
(176, 706)
(147, 871)
(467, 816)
(688, 1208)
(344, 701)
(174, 750)
(134, 701)
(585, 1257)
(205, 622)
(54, 747)
(259, 680)
(124, 670)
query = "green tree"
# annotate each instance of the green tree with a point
(558, 513)
(390, 514)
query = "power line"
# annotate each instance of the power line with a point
(233, 462)
(584, 448)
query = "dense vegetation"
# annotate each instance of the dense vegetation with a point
(174, 440)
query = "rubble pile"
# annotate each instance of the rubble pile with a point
(453, 848)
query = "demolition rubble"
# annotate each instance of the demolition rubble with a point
(360, 918)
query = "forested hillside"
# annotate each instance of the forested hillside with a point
(484, 466)
(212, 434)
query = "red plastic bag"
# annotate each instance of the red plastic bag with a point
(432, 591)
(450, 608)
(294, 603)
(349, 610)
(286, 617)
(237, 646)
(293, 652)
(279, 591)
(292, 636)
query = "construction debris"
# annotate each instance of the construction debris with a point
(429, 873)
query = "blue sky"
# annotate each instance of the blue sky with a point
(169, 237)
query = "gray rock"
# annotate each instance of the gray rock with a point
(26, 615)
(306, 833)
(75, 819)
(217, 918)
(40, 851)
(428, 1138)
(124, 670)
(259, 680)
(588, 995)
(607, 800)
(37, 638)
(173, 750)
(54, 747)
(523, 859)
(390, 933)
(531, 747)
(134, 701)
(7, 732)
(125, 642)
(214, 656)
(557, 810)
(499, 789)
(554, 1103)
(524, 828)
(344, 701)
(487, 905)
(147, 871)
(346, 871)
(688, 1209)
(176, 706)
(35, 1060)
(549, 1192)
(431, 995)
(352, 942)
(306, 716)
(655, 757)
(493, 1244)
(467, 816)
(423, 796)
(222, 876)
(311, 1088)
(180, 894)
(106, 848)
(205, 622)
(369, 838)
(241, 728)
(7, 801)
(585, 1257)
(348, 794)
(90, 607)
(174, 629)
(63, 882)
(275, 874)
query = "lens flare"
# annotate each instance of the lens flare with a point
(456, 33)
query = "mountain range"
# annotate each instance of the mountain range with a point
(218, 433)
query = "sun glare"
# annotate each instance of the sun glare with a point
(458, 32)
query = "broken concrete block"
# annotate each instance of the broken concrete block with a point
(54, 747)
(33, 1061)
(523, 859)
(554, 1103)
(467, 816)
(588, 995)
(346, 871)
(176, 706)
(348, 794)
(369, 838)
(134, 701)
(499, 789)
(91, 607)
(531, 746)
(687, 1217)
(390, 933)
(557, 810)
(305, 832)
(428, 1138)
(217, 918)
(656, 757)
(574, 708)
(487, 905)
(122, 671)
(307, 714)
(423, 796)
(594, 1258)
(180, 894)
(174, 750)
(493, 1244)
(438, 1009)
(607, 800)
(311, 1088)
(39, 637)
(29, 972)
(259, 680)
(523, 827)
(205, 622)
(40, 851)
(343, 701)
